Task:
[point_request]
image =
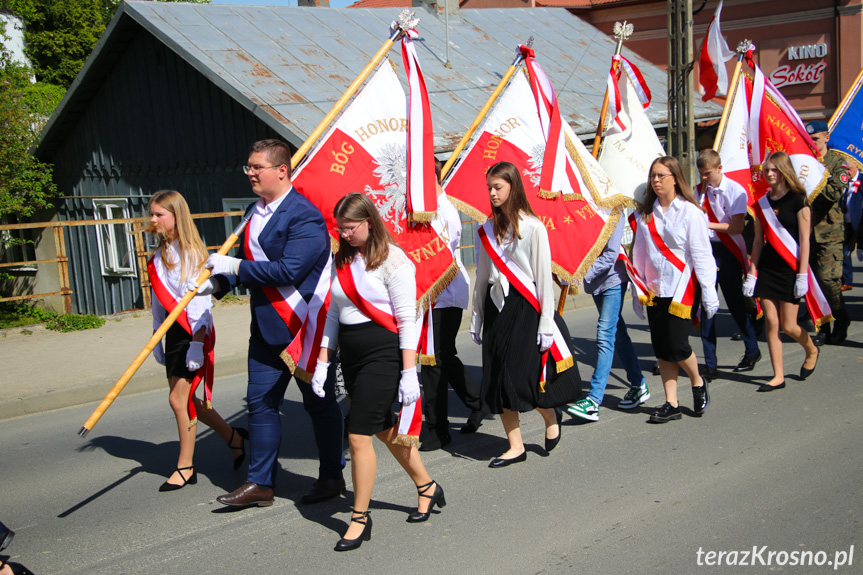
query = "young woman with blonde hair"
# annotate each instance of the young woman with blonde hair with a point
(187, 350)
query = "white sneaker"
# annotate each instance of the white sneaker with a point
(635, 397)
(584, 408)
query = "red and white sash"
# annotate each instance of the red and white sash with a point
(304, 319)
(786, 246)
(375, 304)
(734, 243)
(640, 289)
(168, 299)
(527, 288)
(684, 293)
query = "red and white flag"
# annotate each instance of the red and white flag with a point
(366, 151)
(578, 218)
(626, 155)
(620, 120)
(712, 73)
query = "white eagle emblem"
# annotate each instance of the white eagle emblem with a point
(535, 161)
(392, 174)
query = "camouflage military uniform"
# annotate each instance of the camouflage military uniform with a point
(828, 233)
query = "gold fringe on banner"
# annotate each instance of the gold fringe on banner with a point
(406, 440)
(422, 217)
(427, 299)
(853, 159)
(468, 210)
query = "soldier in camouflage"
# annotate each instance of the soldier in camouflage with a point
(828, 234)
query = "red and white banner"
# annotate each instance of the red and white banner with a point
(421, 179)
(712, 73)
(559, 349)
(366, 151)
(579, 220)
(620, 122)
(626, 155)
(786, 246)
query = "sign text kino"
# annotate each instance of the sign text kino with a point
(802, 74)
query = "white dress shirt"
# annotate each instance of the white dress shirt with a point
(684, 230)
(396, 276)
(261, 215)
(198, 310)
(457, 293)
(728, 199)
(533, 255)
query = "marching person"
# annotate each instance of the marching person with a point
(671, 249)
(372, 320)
(828, 233)
(726, 204)
(285, 250)
(780, 262)
(606, 281)
(187, 352)
(526, 359)
(446, 317)
(852, 209)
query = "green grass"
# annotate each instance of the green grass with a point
(17, 314)
(71, 322)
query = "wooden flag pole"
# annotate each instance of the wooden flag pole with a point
(482, 113)
(742, 47)
(407, 20)
(621, 33)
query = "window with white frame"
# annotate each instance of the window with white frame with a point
(116, 248)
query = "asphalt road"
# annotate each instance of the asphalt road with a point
(780, 472)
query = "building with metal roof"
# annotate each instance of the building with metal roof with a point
(173, 95)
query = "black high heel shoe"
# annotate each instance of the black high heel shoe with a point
(437, 498)
(192, 480)
(363, 518)
(244, 437)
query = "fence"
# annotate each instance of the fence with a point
(62, 261)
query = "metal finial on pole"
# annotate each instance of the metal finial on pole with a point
(407, 19)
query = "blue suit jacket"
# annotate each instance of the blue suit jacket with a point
(297, 245)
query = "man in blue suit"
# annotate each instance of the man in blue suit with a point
(289, 236)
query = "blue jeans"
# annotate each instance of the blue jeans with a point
(729, 276)
(611, 335)
(268, 381)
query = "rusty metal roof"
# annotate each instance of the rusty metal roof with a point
(288, 65)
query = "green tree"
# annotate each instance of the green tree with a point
(25, 183)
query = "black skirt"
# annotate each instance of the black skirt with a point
(512, 362)
(669, 334)
(775, 277)
(176, 347)
(371, 365)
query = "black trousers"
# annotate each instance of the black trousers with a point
(449, 370)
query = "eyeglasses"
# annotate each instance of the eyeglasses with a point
(258, 169)
(348, 232)
(659, 177)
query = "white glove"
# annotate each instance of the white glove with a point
(223, 265)
(801, 285)
(860, 255)
(710, 308)
(320, 378)
(195, 355)
(159, 354)
(749, 285)
(637, 307)
(409, 387)
(544, 341)
(209, 287)
(476, 338)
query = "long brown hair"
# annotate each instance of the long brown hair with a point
(681, 187)
(356, 207)
(190, 245)
(506, 214)
(783, 163)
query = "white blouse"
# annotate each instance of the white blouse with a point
(457, 293)
(684, 229)
(198, 310)
(397, 276)
(532, 253)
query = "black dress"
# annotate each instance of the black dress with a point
(775, 277)
(511, 360)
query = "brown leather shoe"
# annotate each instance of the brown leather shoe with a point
(247, 495)
(324, 489)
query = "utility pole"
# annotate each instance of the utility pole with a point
(681, 116)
